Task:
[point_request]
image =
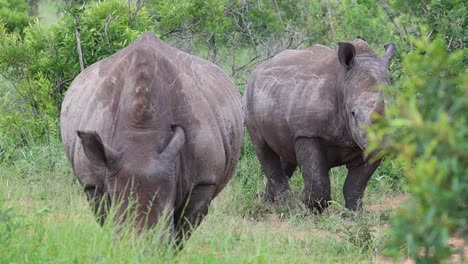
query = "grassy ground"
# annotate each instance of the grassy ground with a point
(44, 217)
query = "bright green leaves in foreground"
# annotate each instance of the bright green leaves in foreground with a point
(428, 133)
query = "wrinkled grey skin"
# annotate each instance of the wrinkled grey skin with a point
(157, 125)
(309, 108)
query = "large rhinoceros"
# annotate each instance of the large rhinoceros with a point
(156, 126)
(310, 108)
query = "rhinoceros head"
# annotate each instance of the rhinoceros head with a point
(362, 71)
(142, 179)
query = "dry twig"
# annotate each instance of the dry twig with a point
(106, 33)
(78, 44)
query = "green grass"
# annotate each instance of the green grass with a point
(44, 217)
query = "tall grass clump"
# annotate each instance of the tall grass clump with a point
(45, 217)
(73, 236)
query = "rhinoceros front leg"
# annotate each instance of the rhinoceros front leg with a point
(356, 182)
(190, 216)
(312, 159)
(288, 168)
(99, 202)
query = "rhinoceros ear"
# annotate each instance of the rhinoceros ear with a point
(96, 152)
(390, 51)
(175, 145)
(346, 54)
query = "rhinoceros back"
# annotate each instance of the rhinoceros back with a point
(290, 94)
(197, 95)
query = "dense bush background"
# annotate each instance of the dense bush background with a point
(425, 134)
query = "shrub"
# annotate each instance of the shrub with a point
(445, 18)
(14, 14)
(428, 134)
(38, 66)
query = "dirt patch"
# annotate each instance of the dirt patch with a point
(275, 225)
(21, 203)
(22, 206)
(456, 242)
(389, 203)
(393, 202)
(459, 244)
(385, 260)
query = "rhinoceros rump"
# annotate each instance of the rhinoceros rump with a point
(310, 108)
(154, 125)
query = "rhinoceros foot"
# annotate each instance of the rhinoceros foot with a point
(315, 202)
(277, 194)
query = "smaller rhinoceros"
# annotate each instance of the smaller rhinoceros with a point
(155, 128)
(310, 108)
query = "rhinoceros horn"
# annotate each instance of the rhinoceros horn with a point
(390, 51)
(175, 145)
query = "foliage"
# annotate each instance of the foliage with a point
(197, 17)
(38, 66)
(428, 133)
(238, 35)
(14, 15)
(445, 18)
(104, 27)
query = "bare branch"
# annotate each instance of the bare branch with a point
(59, 83)
(211, 41)
(332, 28)
(278, 12)
(290, 37)
(132, 15)
(78, 44)
(106, 27)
